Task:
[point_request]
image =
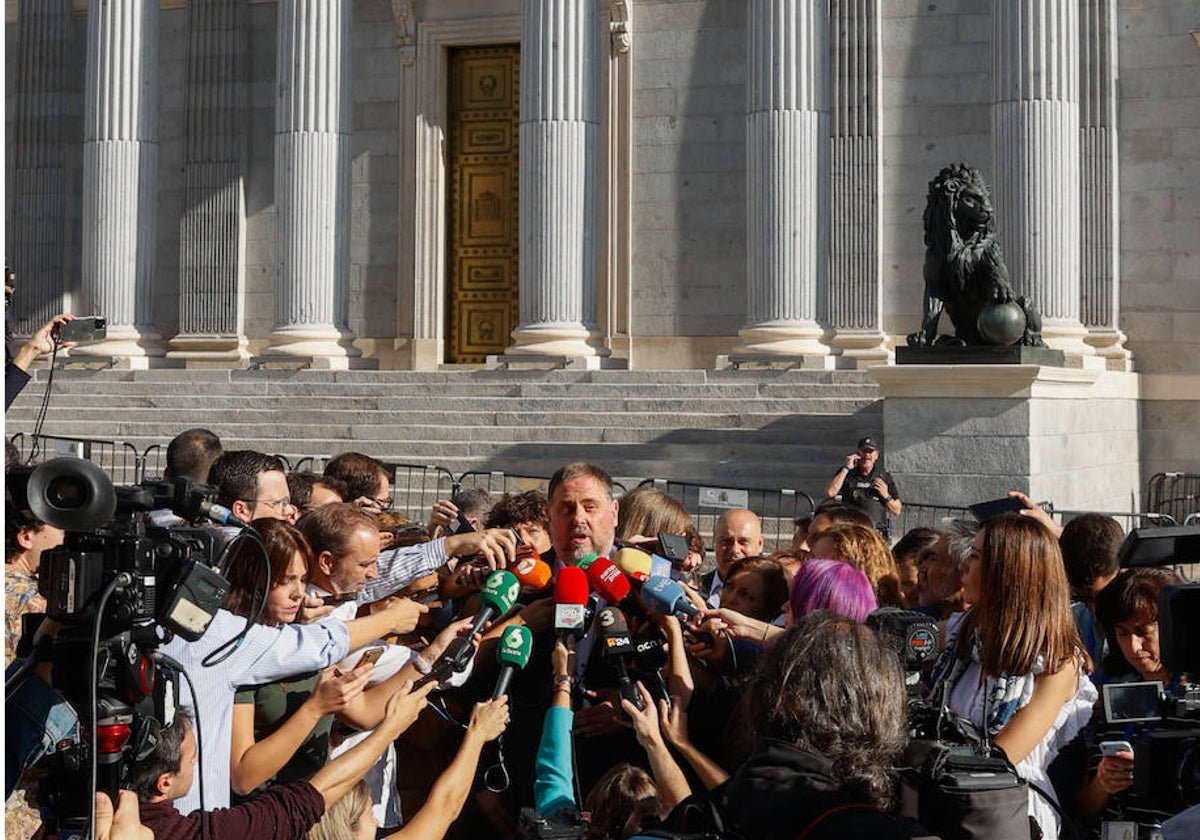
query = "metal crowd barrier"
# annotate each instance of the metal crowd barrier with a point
(1128, 520)
(415, 487)
(778, 509)
(121, 461)
(1174, 494)
(918, 515)
(497, 482)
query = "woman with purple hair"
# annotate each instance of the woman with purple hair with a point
(833, 585)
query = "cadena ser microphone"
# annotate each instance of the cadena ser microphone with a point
(667, 597)
(570, 601)
(499, 593)
(516, 643)
(533, 572)
(608, 581)
(617, 648)
(634, 562)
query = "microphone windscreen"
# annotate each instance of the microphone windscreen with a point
(614, 632)
(608, 581)
(500, 591)
(586, 560)
(533, 572)
(633, 562)
(570, 600)
(660, 566)
(666, 597)
(516, 643)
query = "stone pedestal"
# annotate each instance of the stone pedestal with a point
(956, 435)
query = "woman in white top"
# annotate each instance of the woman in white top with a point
(1016, 658)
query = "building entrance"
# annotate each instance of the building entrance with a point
(483, 119)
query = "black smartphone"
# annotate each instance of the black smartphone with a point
(78, 330)
(460, 524)
(674, 547)
(333, 600)
(990, 510)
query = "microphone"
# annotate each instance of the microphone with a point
(586, 560)
(532, 571)
(220, 514)
(666, 597)
(608, 581)
(634, 562)
(570, 601)
(650, 656)
(499, 593)
(516, 643)
(614, 631)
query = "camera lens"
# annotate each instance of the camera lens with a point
(67, 493)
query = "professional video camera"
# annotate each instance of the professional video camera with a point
(118, 587)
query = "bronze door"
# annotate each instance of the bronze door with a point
(482, 206)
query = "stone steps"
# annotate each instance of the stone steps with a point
(735, 428)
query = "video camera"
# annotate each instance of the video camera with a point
(119, 587)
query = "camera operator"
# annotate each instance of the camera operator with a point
(1128, 610)
(163, 780)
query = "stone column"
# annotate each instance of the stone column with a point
(560, 70)
(855, 284)
(312, 183)
(1098, 187)
(787, 190)
(212, 233)
(1035, 131)
(120, 168)
(43, 133)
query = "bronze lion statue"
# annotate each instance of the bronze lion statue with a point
(964, 266)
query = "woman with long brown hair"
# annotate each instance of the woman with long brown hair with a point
(1016, 666)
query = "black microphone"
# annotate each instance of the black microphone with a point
(614, 633)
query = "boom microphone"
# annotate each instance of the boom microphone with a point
(499, 593)
(570, 601)
(666, 597)
(614, 632)
(516, 643)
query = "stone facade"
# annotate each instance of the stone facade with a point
(900, 89)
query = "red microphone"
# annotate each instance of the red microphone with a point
(570, 601)
(608, 581)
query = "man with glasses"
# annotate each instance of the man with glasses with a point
(252, 485)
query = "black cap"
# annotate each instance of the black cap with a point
(867, 443)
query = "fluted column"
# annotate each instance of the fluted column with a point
(212, 233)
(855, 284)
(312, 182)
(560, 71)
(787, 190)
(120, 168)
(1035, 131)
(43, 130)
(1098, 186)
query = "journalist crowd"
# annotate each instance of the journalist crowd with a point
(583, 663)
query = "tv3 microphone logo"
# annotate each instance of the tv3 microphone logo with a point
(607, 618)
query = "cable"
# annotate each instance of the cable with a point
(122, 579)
(159, 656)
(226, 649)
(35, 447)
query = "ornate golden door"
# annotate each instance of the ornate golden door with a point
(482, 224)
